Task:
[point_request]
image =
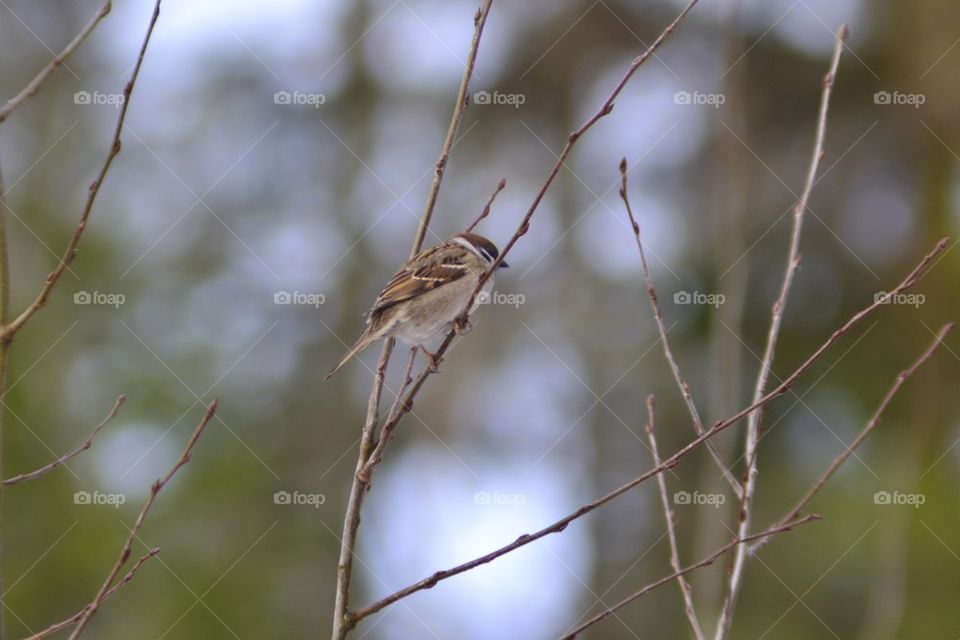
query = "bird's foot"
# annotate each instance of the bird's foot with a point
(433, 360)
(462, 326)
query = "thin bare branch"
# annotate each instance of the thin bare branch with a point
(753, 423)
(91, 609)
(358, 489)
(667, 351)
(558, 526)
(604, 109)
(8, 331)
(342, 621)
(870, 426)
(710, 559)
(4, 361)
(407, 379)
(67, 457)
(479, 20)
(75, 618)
(685, 590)
(486, 207)
(34, 85)
(390, 424)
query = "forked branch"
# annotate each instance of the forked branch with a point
(91, 609)
(870, 426)
(361, 480)
(75, 618)
(710, 559)
(666, 464)
(10, 330)
(776, 320)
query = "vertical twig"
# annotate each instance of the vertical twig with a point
(685, 591)
(479, 20)
(667, 351)
(670, 462)
(342, 621)
(6, 336)
(753, 422)
(524, 226)
(155, 489)
(407, 379)
(4, 357)
(358, 489)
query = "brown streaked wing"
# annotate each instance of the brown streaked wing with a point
(429, 270)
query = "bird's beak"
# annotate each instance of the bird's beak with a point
(503, 265)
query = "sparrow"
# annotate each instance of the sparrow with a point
(424, 299)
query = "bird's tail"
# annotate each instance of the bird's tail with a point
(362, 343)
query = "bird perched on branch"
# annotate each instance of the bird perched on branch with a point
(425, 298)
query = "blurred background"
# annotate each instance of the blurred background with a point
(275, 162)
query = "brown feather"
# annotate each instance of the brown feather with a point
(427, 271)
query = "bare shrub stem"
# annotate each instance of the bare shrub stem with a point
(672, 461)
(34, 85)
(870, 426)
(91, 609)
(710, 559)
(67, 457)
(753, 423)
(342, 621)
(667, 351)
(685, 590)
